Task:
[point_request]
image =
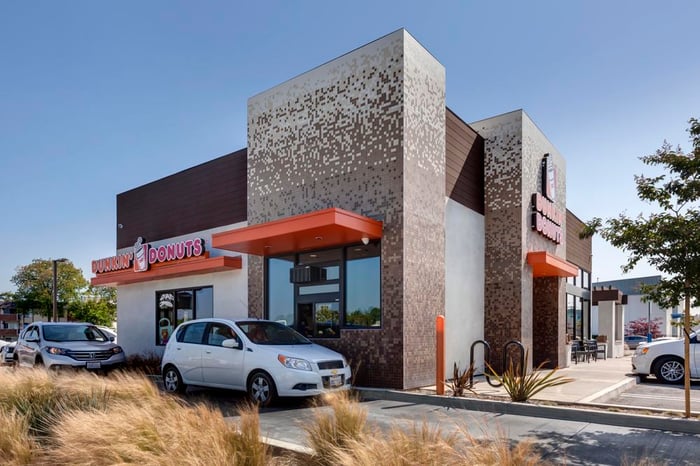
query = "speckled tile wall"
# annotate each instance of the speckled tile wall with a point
(513, 151)
(364, 132)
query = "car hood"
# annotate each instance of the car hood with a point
(664, 343)
(82, 345)
(312, 352)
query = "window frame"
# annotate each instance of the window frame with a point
(171, 315)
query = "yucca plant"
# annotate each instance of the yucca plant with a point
(521, 387)
(460, 380)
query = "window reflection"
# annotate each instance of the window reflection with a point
(363, 285)
(280, 292)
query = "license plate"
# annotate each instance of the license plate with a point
(335, 380)
(94, 365)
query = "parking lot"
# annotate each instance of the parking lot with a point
(653, 394)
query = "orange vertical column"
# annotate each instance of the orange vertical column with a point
(440, 355)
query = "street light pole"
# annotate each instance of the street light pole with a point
(55, 287)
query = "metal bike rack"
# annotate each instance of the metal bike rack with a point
(522, 355)
(487, 358)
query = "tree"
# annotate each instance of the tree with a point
(99, 306)
(34, 284)
(642, 326)
(668, 239)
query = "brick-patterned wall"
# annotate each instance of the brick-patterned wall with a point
(336, 136)
(503, 300)
(513, 151)
(424, 211)
(549, 321)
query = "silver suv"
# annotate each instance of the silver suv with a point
(67, 344)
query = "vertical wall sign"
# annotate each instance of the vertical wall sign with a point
(546, 218)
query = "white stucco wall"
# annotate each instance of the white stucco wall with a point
(464, 285)
(136, 303)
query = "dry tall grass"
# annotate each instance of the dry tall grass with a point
(340, 435)
(82, 419)
(124, 419)
(161, 432)
(17, 447)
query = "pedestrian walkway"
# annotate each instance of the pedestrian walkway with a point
(592, 382)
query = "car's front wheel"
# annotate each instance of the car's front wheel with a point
(669, 369)
(172, 380)
(261, 389)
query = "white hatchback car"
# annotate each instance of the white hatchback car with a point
(664, 359)
(264, 358)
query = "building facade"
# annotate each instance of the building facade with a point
(361, 209)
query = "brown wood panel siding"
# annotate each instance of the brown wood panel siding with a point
(464, 163)
(578, 251)
(209, 195)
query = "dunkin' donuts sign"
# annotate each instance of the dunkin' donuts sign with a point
(546, 218)
(144, 255)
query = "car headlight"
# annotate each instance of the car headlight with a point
(56, 350)
(294, 363)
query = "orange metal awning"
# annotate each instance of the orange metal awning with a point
(181, 268)
(545, 264)
(316, 230)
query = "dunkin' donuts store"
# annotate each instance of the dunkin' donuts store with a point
(361, 209)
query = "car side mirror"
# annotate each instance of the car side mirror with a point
(32, 339)
(232, 343)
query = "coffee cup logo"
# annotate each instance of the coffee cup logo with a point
(140, 255)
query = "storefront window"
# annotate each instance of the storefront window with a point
(280, 291)
(174, 307)
(342, 290)
(363, 296)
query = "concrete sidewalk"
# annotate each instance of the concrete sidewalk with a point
(593, 382)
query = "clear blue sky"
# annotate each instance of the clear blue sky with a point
(98, 97)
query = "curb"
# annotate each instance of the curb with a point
(688, 426)
(610, 392)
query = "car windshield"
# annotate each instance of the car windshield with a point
(73, 333)
(272, 333)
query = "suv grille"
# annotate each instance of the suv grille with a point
(90, 355)
(325, 365)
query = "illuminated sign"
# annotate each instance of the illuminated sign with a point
(144, 255)
(546, 219)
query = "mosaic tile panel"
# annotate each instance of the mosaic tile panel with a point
(336, 136)
(514, 148)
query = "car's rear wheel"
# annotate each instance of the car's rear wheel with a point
(669, 370)
(261, 389)
(172, 380)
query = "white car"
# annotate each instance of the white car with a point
(664, 359)
(264, 358)
(7, 354)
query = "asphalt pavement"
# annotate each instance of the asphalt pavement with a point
(582, 422)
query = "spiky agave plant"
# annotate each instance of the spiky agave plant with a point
(521, 387)
(460, 380)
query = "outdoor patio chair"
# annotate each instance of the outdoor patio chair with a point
(578, 351)
(601, 349)
(591, 350)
